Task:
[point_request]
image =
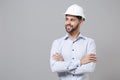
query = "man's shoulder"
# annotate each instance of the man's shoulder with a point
(88, 38)
(90, 41)
(59, 40)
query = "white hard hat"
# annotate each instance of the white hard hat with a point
(75, 10)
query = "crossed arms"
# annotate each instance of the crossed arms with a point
(84, 65)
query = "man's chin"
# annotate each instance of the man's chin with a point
(69, 31)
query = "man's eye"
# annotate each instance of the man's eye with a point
(72, 20)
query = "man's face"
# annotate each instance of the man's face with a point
(71, 23)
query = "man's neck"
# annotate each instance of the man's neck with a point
(74, 35)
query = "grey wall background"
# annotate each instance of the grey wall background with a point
(28, 27)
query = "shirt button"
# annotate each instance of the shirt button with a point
(72, 49)
(73, 58)
(73, 75)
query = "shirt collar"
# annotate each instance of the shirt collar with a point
(80, 36)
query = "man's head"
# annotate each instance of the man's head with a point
(74, 18)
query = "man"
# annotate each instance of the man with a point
(73, 56)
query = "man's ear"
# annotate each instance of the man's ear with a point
(81, 22)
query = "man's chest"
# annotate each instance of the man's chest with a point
(71, 49)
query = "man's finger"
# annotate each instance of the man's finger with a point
(92, 54)
(93, 59)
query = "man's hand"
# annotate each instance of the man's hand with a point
(58, 57)
(88, 58)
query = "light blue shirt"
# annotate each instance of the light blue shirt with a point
(72, 52)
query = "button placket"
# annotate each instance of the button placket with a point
(73, 51)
